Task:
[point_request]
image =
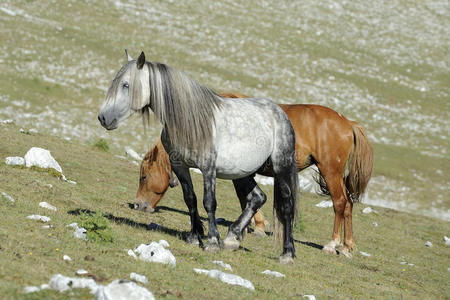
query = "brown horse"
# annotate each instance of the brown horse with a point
(337, 146)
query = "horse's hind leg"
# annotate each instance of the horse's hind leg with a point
(260, 221)
(336, 187)
(254, 199)
(194, 236)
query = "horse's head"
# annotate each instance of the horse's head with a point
(154, 179)
(129, 92)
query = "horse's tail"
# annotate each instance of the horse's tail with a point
(279, 206)
(360, 164)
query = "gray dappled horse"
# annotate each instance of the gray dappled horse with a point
(224, 138)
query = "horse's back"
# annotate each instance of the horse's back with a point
(246, 135)
(319, 132)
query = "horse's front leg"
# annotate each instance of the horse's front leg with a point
(209, 202)
(182, 172)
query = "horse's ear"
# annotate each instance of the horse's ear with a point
(141, 60)
(128, 55)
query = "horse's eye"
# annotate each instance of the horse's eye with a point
(125, 85)
(143, 178)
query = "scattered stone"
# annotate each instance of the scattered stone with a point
(39, 218)
(41, 158)
(222, 264)
(273, 273)
(375, 224)
(227, 278)
(447, 240)
(325, 203)
(123, 289)
(80, 232)
(62, 283)
(448, 269)
(5, 122)
(81, 272)
(131, 253)
(31, 289)
(7, 197)
(138, 277)
(367, 210)
(310, 297)
(164, 243)
(33, 130)
(154, 252)
(66, 258)
(47, 226)
(47, 206)
(14, 161)
(365, 254)
(131, 153)
(429, 244)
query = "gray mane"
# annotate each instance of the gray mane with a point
(183, 106)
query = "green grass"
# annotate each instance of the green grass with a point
(30, 255)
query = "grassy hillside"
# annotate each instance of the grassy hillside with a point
(382, 63)
(29, 254)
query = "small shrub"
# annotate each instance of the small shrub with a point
(97, 227)
(101, 144)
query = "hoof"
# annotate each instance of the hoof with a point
(286, 259)
(231, 243)
(330, 248)
(212, 245)
(259, 232)
(193, 240)
(346, 252)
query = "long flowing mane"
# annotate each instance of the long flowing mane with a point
(183, 106)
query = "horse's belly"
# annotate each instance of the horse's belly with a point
(243, 144)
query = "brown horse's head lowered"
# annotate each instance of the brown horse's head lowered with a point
(154, 178)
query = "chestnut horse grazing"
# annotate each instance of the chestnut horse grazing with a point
(338, 147)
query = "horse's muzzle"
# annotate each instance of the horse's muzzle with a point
(108, 125)
(143, 207)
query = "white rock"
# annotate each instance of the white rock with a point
(264, 180)
(273, 273)
(123, 290)
(33, 130)
(7, 197)
(67, 258)
(429, 244)
(39, 218)
(41, 158)
(131, 153)
(73, 225)
(365, 254)
(367, 210)
(47, 206)
(138, 277)
(375, 224)
(44, 286)
(8, 121)
(222, 264)
(164, 243)
(81, 272)
(14, 161)
(448, 269)
(227, 278)
(62, 283)
(31, 289)
(47, 226)
(80, 232)
(447, 240)
(325, 203)
(155, 252)
(131, 253)
(310, 297)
